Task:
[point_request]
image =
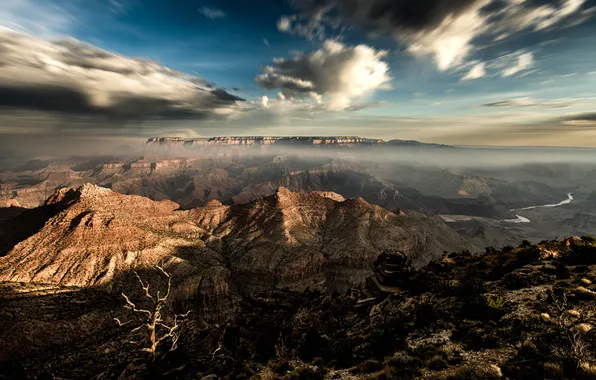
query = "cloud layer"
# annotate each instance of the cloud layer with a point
(443, 29)
(71, 77)
(212, 13)
(335, 74)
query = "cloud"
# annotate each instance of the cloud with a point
(335, 73)
(67, 76)
(478, 71)
(266, 42)
(302, 26)
(529, 102)
(587, 119)
(264, 101)
(212, 13)
(524, 61)
(443, 29)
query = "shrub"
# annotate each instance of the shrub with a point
(402, 366)
(279, 366)
(304, 373)
(553, 371)
(473, 372)
(318, 362)
(368, 366)
(436, 363)
(496, 302)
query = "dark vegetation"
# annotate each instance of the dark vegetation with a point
(519, 313)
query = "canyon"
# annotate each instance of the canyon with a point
(362, 253)
(94, 236)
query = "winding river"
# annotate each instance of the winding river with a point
(522, 219)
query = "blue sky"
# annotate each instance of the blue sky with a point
(494, 72)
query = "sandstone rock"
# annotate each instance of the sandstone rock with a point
(12, 203)
(261, 141)
(219, 253)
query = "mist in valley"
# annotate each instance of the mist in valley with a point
(481, 192)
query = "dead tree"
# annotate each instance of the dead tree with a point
(153, 330)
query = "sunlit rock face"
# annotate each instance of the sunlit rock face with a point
(260, 141)
(218, 253)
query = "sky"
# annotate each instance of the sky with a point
(460, 72)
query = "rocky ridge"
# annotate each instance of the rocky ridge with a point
(277, 140)
(261, 141)
(94, 237)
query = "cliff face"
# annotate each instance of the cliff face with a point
(218, 253)
(260, 141)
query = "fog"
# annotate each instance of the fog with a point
(19, 150)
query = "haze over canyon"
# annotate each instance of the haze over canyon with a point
(298, 189)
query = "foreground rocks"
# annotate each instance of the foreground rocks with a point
(519, 313)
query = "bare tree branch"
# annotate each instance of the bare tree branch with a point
(156, 330)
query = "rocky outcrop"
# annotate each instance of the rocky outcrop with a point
(166, 141)
(261, 141)
(290, 140)
(218, 253)
(520, 313)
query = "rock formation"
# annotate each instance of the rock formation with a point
(218, 253)
(268, 140)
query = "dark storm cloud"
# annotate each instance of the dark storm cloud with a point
(427, 27)
(581, 119)
(72, 77)
(44, 98)
(388, 16)
(384, 16)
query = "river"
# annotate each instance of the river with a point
(523, 219)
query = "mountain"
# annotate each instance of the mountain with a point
(258, 141)
(93, 237)
(193, 178)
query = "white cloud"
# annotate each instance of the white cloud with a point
(69, 76)
(284, 24)
(442, 29)
(335, 75)
(519, 15)
(264, 101)
(524, 61)
(212, 13)
(450, 41)
(478, 71)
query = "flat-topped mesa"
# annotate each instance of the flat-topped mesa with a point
(262, 141)
(166, 141)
